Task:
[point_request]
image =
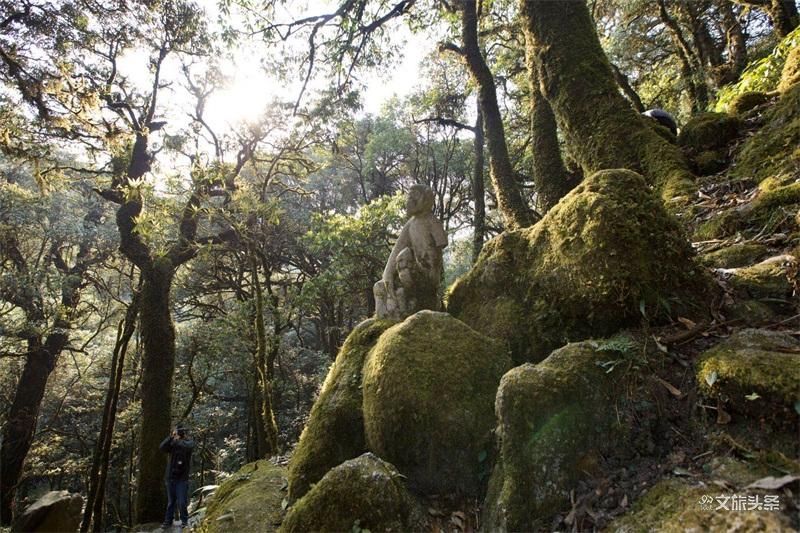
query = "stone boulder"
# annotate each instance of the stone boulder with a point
(754, 373)
(249, 500)
(768, 281)
(604, 254)
(335, 428)
(361, 494)
(553, 420)
(429, 388)
(56, 511)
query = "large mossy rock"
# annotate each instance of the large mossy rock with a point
(56, 511)
(606, 252)
(553, 420)
(249, 500)
(429, 389)
(734, 256)
(335, 428)
(755, 373)
(773, 149)
(361, 494)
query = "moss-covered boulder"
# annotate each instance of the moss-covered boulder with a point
(709, 131)
(756, 373)
(746, 101)
(675, 506)
(768, 281)
(335, 428)
(429, 388)
(772, 150)
(706, 138)
(361, 494)
(734, 256)
(553, 420)
(604, 253)
(249, 500)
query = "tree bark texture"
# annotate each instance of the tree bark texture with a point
(600, 128)
(158, 367)
(550, 176)
(510, 202)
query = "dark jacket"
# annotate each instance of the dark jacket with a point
(178, 449)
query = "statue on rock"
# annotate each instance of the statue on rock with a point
(413, 274)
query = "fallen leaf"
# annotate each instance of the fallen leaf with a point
(671, 388)
(772, 483)
(686, 322)
(753, 396)
(711, 378)
(680, 471)
(624, 502)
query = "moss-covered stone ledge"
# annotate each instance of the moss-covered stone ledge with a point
(755, 373)
(361, 494)
(553, 420)
(335, 428)
(249, 500)
(606, 251)
(429, 390)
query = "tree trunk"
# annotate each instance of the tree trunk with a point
(784, 16)
(625, 84)
(510, 202)
(21, 423)
(478, 192)
(690, 65)
(158, 366)
(549, 174)
(600, 128)
(93, 511)
(268, 441)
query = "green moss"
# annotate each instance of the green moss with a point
(674, 506)
(750, 312)
(777, 196)
(753, 361)
(606, 250)
(790, 75)
(249, 500)
(361, 494)
(709, 131)
(746, 101)
(766, 280)
(429, 389)
(734, 256)
(335, 428)
(771, 151)
(722, 223)
(552, 419)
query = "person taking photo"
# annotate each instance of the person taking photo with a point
(179, 447)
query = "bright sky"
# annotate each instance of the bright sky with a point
(251, 89)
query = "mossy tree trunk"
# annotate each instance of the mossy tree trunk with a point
(600, 128)
(550, 176)
(266, 428)
(782, 13)
(510, 201)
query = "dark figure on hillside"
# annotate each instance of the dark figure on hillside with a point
(179, 447)
(663, 118)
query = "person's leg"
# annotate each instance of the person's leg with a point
(170, 516)
(182, 493)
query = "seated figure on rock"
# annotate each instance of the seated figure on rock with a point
(413, 274)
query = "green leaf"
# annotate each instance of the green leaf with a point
(482, 456)
(753, 396)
